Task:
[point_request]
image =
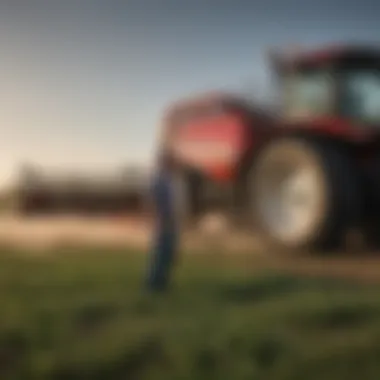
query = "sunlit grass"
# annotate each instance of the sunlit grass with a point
(85, 315)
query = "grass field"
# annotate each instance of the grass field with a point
(84, 315)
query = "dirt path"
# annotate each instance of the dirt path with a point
(48, 233)
(44, 232)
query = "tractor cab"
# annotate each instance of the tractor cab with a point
(336, 90)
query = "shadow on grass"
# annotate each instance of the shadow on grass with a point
(274, 286)
(338, 316)
(90, 317)
(13, 349)
(263, 289)
(131, 363)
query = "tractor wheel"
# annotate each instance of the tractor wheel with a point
(304, 194)
(373, 203)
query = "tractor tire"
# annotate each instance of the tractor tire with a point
(304, 194)
(372, 198)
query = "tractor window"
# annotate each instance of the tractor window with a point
(308, 94)
(362, 95)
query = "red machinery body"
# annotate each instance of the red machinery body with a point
(304, 174)
(214, 145)
(216, 142)
(213, 135)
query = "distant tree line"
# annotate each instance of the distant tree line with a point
(123, 192)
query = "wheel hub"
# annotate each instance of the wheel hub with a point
(288, 204)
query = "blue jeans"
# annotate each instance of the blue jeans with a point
(162, 258)
(165, 239)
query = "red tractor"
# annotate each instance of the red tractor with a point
(303, 175)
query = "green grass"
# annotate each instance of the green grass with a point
(78, 315)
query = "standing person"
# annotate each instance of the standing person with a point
(166, 229)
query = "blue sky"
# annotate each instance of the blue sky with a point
(84, 83)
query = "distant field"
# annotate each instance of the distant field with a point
(78, 314)
(44, 232)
